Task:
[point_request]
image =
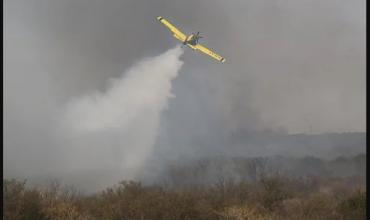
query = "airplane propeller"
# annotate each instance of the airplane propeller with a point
(198, 35)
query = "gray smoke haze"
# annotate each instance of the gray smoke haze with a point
(292, 67)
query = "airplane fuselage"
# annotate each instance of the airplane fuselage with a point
(191, 40)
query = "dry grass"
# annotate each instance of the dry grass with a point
(269, 198)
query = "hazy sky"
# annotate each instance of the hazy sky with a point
(292, 66)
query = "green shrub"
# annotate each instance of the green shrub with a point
(274, 198)
(273, 193)
(354, 207)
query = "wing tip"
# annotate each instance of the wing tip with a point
(159, 18)
(222, 60)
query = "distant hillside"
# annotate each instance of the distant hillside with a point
(211, 170)
(328, 145)
(243, 158)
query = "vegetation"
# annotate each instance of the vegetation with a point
(266, 197)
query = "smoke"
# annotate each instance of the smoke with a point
(126, 115)
(293, 66)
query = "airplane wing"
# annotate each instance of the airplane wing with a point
(209, 52)
(177, 33)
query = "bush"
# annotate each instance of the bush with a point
(273, 193)
(243, 213)
(354, 207)
(274, 198)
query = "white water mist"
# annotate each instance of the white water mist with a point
(123, 119)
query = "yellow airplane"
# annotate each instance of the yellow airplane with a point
(191, 40)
